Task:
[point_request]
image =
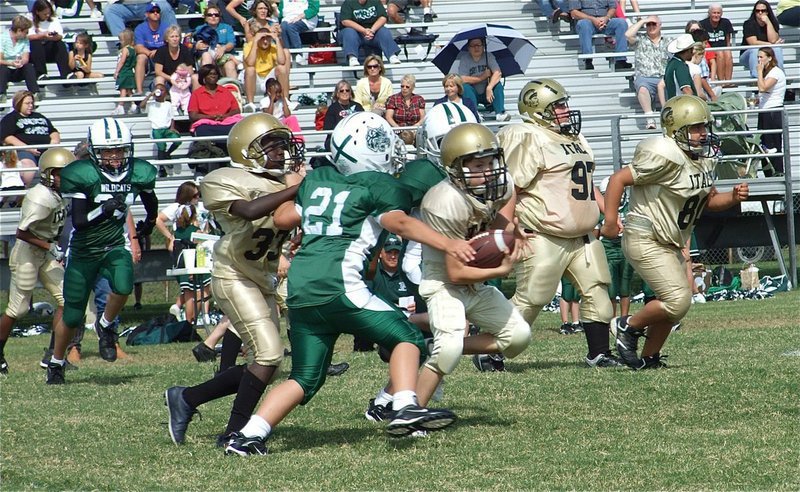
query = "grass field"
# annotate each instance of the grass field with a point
(724, 416)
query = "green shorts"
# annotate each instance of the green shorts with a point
(568, 291)
(616, 267)
(316, 328)
(81, 274)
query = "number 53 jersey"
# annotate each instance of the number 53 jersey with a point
(553, 176)
(670, 189)
(248, 247)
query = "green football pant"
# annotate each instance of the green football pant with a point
(81, 274)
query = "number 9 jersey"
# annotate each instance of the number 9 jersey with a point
(553, 175)
(670, 189)
(248, 247)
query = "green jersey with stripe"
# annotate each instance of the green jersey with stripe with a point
(83, 180)
(341, 230)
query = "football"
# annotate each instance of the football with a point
(489, 248)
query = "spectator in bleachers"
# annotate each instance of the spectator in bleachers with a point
(789, 12)
(213, 110)
(118, 13)
(277, 104)
(15, 57)
(700, 35)
(760, 28)
(454, 92)
(702, 73)
(598, 16)
(621, 10)
(172, 55)
(161, 114)
(24, 126)
(261, 13)
(373, 89)
(10, 181)
(148, 37)
(125, 79)
(219, 52)
(180, 90)
(771, 91)
(342, 106)
(397, 10)
(46, 39)
(650, 63)
(364, 24)
(80, 58)
(677, 79)
(297, 16)
(719, 31)
(555, 10)
(406, 108)
(482, 78)
(264, 57)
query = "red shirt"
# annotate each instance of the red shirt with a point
(405, 115)
(208, 104)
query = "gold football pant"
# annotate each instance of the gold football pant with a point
(29, 263)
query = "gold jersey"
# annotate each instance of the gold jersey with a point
(457, 215)
(553, 175)
(248, 248)
(43, 213)
(670, 189)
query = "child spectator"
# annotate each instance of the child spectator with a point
(15, 57)
(123, 74)
(276, 104)
(80, 58)
(10, 181)
(161, 115)
(181, 90)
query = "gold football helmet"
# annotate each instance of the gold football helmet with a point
(537, 104)
(253, 141)
(682, 112)
(53, 158)
(468, 141)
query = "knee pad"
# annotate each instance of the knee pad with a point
(447, 352)
(73, 318)
(515, 338)
(676, 306)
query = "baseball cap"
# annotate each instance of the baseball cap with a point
(153, 6)
(392, 243)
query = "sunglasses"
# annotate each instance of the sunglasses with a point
(373, 66)
(761, 11)
(212, 15)
(405, 86)
(155, 11)
(651, 24)
(344, 90)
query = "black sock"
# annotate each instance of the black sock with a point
(52, 340)
(250, 390)
(231, 346)
(3, 347)
(596, 338)
(223, 384)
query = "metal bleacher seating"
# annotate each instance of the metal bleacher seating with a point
(612, 121)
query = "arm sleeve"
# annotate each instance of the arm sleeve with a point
(83, 218)
(312, 10)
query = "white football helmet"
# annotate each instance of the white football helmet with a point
(438, 121)
(110, 134)
(366, 142)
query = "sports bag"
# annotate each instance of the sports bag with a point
(162, 329)
(322, 57)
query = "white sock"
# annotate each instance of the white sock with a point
(383, 398)
(53, 360)
(426, 10)
(403, 399)
(256, 427)
(104, 322)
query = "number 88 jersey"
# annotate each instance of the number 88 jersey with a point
(553, 175)
(248, 247)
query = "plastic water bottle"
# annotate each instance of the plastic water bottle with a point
(200, 259)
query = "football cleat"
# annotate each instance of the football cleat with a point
(577, 327)
(203, 353)
(489, 362)
(378, 413)
(55, 374)
(338, 369)
(413, 418)
(3, 365)
(246, 446)
(627, 341)
(603, 360)
(655, 361)
(223, 439)
(566, 329)
(180, 413)
(107, 341)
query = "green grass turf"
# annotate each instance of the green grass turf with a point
(724, 416)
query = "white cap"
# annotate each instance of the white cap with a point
(681, 43)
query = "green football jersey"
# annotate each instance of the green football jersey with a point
(82, 179)
(340, 231)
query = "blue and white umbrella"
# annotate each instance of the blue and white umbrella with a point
(510, 48)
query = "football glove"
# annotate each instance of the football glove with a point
(56, 252)
(145, 227)
(115, 203)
